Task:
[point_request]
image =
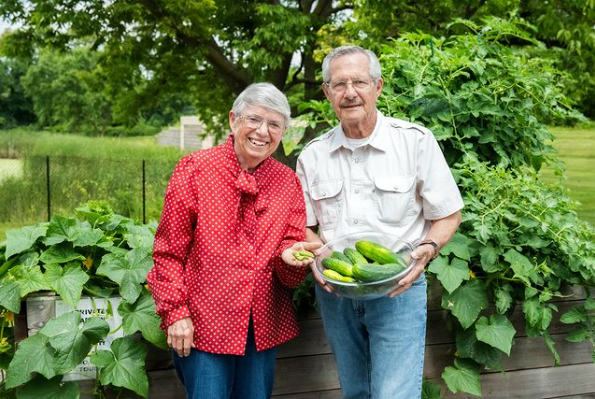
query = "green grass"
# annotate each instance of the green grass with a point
(44, 143)
(576, 148)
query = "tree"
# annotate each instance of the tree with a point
(15, 107)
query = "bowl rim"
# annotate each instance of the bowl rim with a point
(369, 283)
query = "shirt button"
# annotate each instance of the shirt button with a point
(355, 221)
(356, 160)
(250, 272)
(357, 190)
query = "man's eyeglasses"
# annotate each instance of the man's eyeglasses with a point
(341, 85)
(255, 122)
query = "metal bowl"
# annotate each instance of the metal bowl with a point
(365, 290)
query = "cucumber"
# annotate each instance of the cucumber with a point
(376, 252)
(301, 255)
(344, 268)
(354, 256)
(336, 276)
(340, 256)
(367, 272)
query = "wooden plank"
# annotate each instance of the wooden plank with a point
(305, 374)
(333, 394)
(543, 383)
(526, 353)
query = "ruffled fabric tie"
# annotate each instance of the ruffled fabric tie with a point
(246, 183)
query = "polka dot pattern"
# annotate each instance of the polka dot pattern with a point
(217, 251)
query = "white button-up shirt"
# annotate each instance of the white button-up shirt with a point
(397, 182)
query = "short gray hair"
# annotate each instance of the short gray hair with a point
(375, 70)
(265, 95)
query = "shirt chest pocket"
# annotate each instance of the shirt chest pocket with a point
(394, 196)
(327, 202)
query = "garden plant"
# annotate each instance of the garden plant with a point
(520, 245)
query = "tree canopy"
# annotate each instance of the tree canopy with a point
(207, 51)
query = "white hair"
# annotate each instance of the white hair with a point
(375, 70)
(265, 95)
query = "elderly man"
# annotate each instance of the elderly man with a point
(224, 267)
(375, 173)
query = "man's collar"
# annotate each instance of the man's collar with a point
(377, 141)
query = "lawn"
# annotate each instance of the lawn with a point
(576, 148)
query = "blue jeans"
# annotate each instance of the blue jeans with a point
(214, 376)
(378, 344)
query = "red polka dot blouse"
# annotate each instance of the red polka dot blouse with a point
(217, 251)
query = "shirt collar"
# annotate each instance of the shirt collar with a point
(378, 140)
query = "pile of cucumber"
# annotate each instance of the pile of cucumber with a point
(369, 261)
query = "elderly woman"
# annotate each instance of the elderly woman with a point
(224, 267)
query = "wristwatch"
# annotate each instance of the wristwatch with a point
(435, 244)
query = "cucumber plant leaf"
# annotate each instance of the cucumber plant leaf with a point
(87, 237)
(60, 253)
(10, 297)
(67, 281)
(452, 274)
(72, 339)
(459, 246)
(466, 302)
(463, 377)
(129, 271)
(496, 331)
(141, 316)
(61, 229)
(33, 355)
(54, 388)
(20, 240)
(29, 278)
(123, 365)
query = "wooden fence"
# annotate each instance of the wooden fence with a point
(306, 369)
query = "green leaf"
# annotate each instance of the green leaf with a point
(489, 256)
(29, 278)
(67, 281)
(21, 240)
(590, 304)
(463, 377)
(130, 271)
(139, 237)
(54, 388)
(141, 316)
(468, 346)
(503, 296)
(551, 344)
(33, 355)
(574, 315)
(73, 340)
(87, 237)
(10, 296)
(459, 246)
(124, 365)
(579, 334)
(450, 275)
(466, 302)
(61, 253)
(537, 315)
(522, 267)
(61, 229)
(430, 390)
(497, 332)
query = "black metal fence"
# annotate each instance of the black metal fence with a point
(35, 188)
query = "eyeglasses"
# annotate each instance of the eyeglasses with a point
(341, 85)
(255, 122)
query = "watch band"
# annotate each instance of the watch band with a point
(434, 245)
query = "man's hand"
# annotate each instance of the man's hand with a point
(422, 255)
(180, 336)
(289, 258)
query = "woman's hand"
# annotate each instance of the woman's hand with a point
(180, 336)
(289, 255)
